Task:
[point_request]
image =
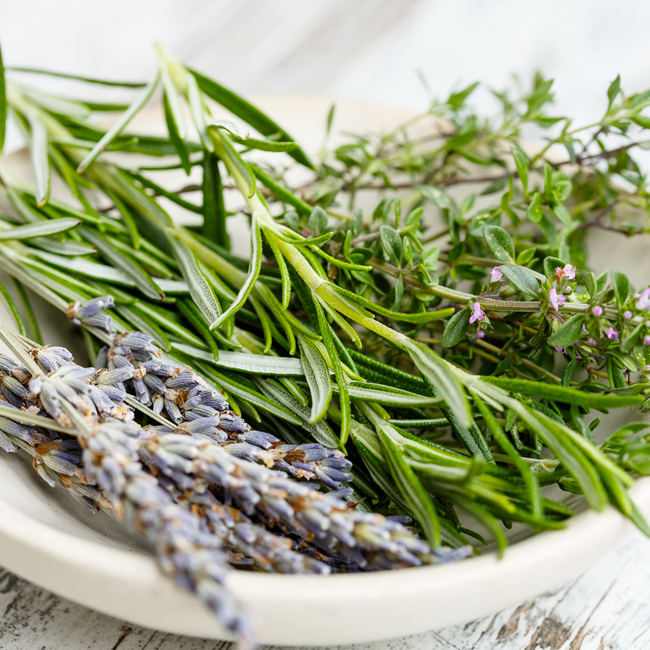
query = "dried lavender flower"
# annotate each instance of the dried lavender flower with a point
(185, 397)
(368, 539)
(185, 547)
(90, 313)
(189, 546)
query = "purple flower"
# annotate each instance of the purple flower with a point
(480, 334)
(627, 314)
(647, 367)
(597, 310)
(495, 274)
(569, 272)
(477, 313)
(562, 350)
(646, 340)
(556, 299)
(592, 341)
(611, 333)
(643, 301)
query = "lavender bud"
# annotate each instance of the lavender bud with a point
(7, 364)
(90, 308)
(22, 432)
(115, 376)
(154, 383)
(14, 387)
(159, 369)
(6, 444)
(141, 392)
(102, 358)
(233, 423)
(200, 411)
(258, 439)
(202, 424)
(158, 404)
(182, 381)
(173, 411)
(137, 342)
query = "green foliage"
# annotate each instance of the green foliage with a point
(443, 416)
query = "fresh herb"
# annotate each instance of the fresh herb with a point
(457, 364)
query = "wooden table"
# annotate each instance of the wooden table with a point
(371, 50)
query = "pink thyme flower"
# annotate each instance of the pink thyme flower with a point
(477, 313)
(480, 334)
(643, 301)
(646, 340)
(568, 272)
(611, 333)
(556, 299)
(495, 274)
(647, 368)
(592, 341)
(597, 310)
(627, 314)
(562, 350)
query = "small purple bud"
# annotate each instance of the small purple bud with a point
(556, 299)
(477, 313)
(597, 310)
(643, 301)
(627, 314)
(569, 271)
(611, 333)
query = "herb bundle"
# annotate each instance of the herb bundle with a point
(458, 367)
(160, 478)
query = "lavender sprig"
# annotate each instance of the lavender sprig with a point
(367, 539)
(185, 547)
(197, 408)
(370, 540)
(58, 460)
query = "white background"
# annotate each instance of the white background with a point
(362, 49)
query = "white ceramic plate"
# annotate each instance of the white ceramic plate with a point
(49, 540)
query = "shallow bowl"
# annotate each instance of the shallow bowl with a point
(51, 541)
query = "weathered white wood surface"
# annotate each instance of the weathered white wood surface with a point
(362, 49)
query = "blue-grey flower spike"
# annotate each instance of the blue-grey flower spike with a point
(185, 547)
(184, 397)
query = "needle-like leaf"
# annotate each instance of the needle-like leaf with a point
(120, 125)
